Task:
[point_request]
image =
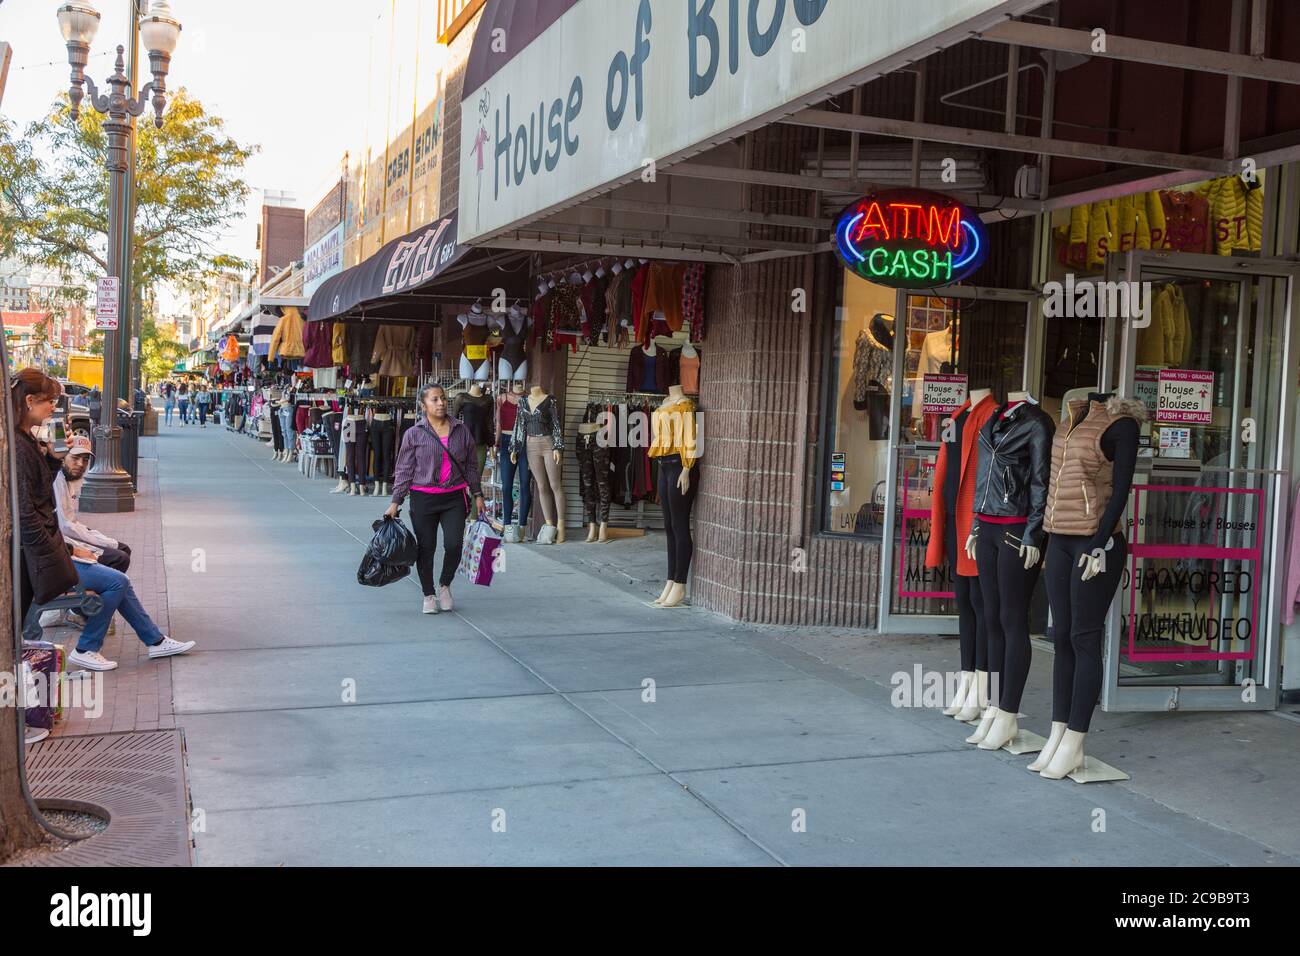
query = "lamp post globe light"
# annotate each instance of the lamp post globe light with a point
(108, 486)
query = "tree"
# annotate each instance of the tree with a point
(159, 350)
(188, 189)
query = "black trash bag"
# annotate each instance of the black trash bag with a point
(375, 574)
(393, 543)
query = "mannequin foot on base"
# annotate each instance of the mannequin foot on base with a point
(668, 586)
(1002, 731)
(591, 532)
(603, 536)
(559, 532)
(1068, 757)
(959, 698)
(341, 487)
(1049, 749)
(675, 595)
(352, 488)
(976, 698)
(986, 721)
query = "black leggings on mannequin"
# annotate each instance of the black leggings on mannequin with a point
(1006, 587)
(970, 609)
(1079, 611)
(677, 515)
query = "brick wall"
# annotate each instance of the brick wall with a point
(753, 370)
(283, 231)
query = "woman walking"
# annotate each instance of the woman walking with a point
(202, 399)
(50, 565)
(169, 401)
(437, 465)
(183, 401)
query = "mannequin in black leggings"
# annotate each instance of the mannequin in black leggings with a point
(1083, 573)
(1006, 586)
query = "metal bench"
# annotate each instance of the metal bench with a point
(87, 603)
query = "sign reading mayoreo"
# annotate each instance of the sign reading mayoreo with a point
(565, 97)
(910, 238)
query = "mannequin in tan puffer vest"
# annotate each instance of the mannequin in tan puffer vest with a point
(1094, 456)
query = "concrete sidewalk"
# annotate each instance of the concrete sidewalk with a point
(556, 719)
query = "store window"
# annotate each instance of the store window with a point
(861, 384)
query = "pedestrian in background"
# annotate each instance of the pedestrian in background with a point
(202, 399)
(183, 401)
(169, 401)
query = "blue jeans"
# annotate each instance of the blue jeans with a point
(185, 410)
(170, 407)
(115, 589)
(508, 472)
(203, 412)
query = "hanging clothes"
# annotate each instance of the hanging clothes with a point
(693, 300)
(394, 350)
(339, 344)
(286, 340)
(318, 344)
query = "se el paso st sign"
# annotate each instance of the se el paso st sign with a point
(910, 238)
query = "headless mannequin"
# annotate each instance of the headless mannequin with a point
(674, 592)
(1077, 667)
(535, 398)
(356, 487)
(998, 727)
(381, 487)
(596, 533)
(967, 701)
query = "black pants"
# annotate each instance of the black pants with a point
(119, 558)
(359, 453)
(1006, 587)
(382, 436)
(1079, 610)
(972, 635)
(277, 439)
(333, 422)
(677, 516)
(428, 513)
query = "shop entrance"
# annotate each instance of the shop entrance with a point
(1196, 624)
(946, 342)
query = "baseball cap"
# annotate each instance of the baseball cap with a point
(80, 445)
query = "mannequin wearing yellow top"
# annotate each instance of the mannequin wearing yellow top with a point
(674, 434)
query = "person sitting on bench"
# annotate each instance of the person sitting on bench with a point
(67, 495)
(50, 565)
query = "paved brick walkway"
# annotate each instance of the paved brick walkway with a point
(138, 695)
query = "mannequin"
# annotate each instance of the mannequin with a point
(383, 439)
(593, 458)
(1096, 448)
(675, 444)
(689, 369)
(1006, 544)
(285, 411)
(539, 429)
(513, 363)
(937, 351)
(950, 521)
(474, 335)
(474, 410)
(510, 465)
(358, 451)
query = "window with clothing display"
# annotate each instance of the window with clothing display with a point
(860, 383)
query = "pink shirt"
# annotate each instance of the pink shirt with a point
(444, 476)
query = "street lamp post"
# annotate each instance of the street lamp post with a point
(108, 486)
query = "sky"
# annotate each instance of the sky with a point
(288, 75)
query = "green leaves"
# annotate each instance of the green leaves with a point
(189, 187)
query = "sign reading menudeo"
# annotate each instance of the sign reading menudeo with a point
(612, 85)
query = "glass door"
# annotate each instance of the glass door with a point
(1196, 623)
(944, 346)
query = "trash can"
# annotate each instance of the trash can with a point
(130, 423)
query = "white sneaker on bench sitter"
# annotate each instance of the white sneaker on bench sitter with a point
(91, 661)
(167, 647)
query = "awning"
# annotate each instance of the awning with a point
(408, 276)
(403, 265)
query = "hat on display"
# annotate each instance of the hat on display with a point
(80, 445)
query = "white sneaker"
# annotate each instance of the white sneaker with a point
(91, 661)
(36, 734)
(52, 618)
(431, 604)
(444, 597)
(167, 647)
(547, 534)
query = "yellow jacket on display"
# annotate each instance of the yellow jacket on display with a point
(339, 344)
(286, 340)
(1167, 341)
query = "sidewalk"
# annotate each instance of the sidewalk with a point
(555, 718)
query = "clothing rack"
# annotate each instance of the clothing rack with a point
(602, 397)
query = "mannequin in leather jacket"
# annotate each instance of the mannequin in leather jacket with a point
(1015, 466)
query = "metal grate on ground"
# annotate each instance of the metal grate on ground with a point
(136, 779)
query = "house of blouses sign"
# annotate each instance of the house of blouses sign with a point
(595, 90)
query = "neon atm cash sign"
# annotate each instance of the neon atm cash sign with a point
(910, 238)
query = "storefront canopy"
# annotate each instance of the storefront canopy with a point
(404, 279)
